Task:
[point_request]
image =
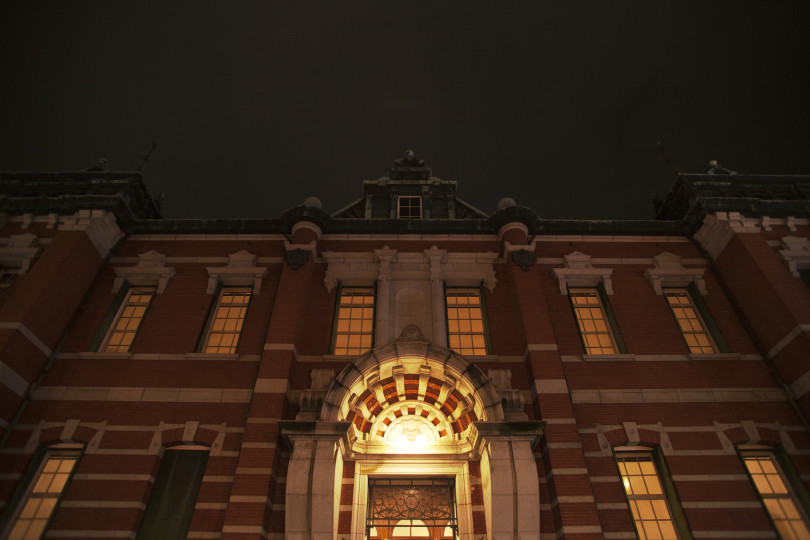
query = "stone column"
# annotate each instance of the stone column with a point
(509, 478)
(314, 478)
(382, 327)
(435, 257)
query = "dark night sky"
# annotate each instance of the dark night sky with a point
(256, 105)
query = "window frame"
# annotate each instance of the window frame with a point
(401, 198)
(212, 317)
(607, 314)
(668, 494)
(484, 319)
(154, 522)
(120, 305)
(336, 319)
(25, 487)
(667, 291)
(7, 278)
(796, 492)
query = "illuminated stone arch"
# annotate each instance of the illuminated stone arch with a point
(411, 388)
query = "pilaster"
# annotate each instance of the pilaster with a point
(571, 500)
(253, 509)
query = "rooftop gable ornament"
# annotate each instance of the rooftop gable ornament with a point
(409, 168)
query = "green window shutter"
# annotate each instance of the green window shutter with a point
(171, 506)
(708, 320)
(110, 317)
(614, 327)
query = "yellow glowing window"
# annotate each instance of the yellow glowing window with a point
(465, 321)
(38, 505)
(692, 327)
(646, 498)
(777, 496)
(354, 328)
(409, 207)
(128, 320)
(226, 325)
(593, 327)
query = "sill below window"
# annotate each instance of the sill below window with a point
(716, 356)
(101, 354)
(608, 357)
(211, 356)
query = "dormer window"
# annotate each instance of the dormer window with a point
(409, 207)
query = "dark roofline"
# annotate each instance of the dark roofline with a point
(65, 193)
(695, 195)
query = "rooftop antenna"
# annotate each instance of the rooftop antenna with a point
(147, 156)
(661, 147)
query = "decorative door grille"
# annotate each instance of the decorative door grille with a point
(411, 507)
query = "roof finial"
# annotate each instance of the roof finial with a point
(716, 168)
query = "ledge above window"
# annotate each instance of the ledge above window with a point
(241, 271)
(579, 272)
(150, 271)
(669, 272)
(796, 253)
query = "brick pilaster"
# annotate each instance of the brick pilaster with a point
(560, 454)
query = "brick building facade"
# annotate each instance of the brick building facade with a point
(406, 367)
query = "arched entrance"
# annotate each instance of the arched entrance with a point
(411, 417)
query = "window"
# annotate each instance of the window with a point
(128, 320)
(409, 207)
(43, 494)
(226, 321)
(466, 331)
(694, 331)
(776, 494)
(177, 485)
(411, 508)
(354, 320)
(594, 327)
(646, 496)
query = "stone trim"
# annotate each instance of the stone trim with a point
(678, 395)
(13, 380)
(798, 330)
(121, 393)
(100, 227)
(796, 253)
(241, 271)
(669, 272)
(29, 335)
(579, 272)
(19, 252)
(357, 269)
(150, 271)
